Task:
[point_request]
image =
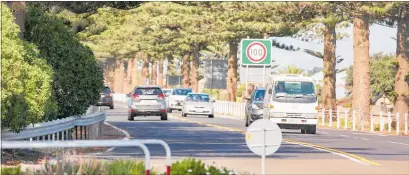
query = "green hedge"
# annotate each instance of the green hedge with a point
(26, 79)
(77, 80)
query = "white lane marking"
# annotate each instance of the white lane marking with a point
(360, 138)
(335, 153)
(323, 132)
(127, 136)
(343, 135)
(369, 134)
(398, 143)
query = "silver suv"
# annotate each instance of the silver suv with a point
(254, 105)
(147, 101)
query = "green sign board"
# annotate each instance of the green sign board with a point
(256, 52)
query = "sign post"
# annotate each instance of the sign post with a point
(255, 53)
(263, 137)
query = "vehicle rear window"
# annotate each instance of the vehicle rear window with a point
(181, 91)
(148, 91)
(107, 90)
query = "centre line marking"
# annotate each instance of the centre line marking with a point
(349, 156)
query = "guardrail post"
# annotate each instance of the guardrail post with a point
(381, 122)
(406, 123)
(346, 120)
(338, 118)
(371, 118)
(353, 120)
(330, 118)
(389, 122)
(323, 117)
(397, 123)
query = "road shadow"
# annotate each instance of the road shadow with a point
(194, 140)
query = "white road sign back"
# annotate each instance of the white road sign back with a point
(263, 137)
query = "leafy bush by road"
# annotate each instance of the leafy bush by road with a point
(77, 80)
(26, 79)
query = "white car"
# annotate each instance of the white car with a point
(198, 104)
(176, 98)
(167, 92)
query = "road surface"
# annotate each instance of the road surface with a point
(220, 141)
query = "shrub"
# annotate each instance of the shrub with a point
(26, 94)
(195, 167)
(78, 80)
(125, 167)
(11, 170)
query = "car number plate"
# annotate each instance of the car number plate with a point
(293, 120)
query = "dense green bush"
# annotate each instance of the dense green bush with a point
(192, 166)
(11, 170)
(26, 79)
(125, 167)
(77, 80)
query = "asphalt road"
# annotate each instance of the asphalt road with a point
(223, 139)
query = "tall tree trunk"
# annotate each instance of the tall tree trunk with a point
(361, 68)
(128, 78)
(18, 8)
(134, 73)
(145, 69)
(186, 70)
(328, 94)
(169, 67)
(154, 72)
(232, 70)
(119, 76)
(194, 79)
(160, 74)
(402, 56)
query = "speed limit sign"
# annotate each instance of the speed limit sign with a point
(256, 52)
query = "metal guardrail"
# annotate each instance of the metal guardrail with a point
(55, 127)
(95, 143)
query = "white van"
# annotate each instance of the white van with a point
(291, 101)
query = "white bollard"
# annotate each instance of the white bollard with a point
(389, 122)
(323, 117)
(381, 122)
(330, 118)
(353, 120)
(406, 123)
(371, 120)
(338, 118)
(346, 120)
(397, 123)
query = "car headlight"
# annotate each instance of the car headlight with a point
(310, 115)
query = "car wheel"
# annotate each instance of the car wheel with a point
(247, 122)
(130, 117)
(164, 117)
(111, 107)
(303, 131)
(184, 115)
(169, 110)
(312, 129)
(211, 116)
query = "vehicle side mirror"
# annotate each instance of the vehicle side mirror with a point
(319, 92)
(167, 95)
(113, 92)
(247, 98)
(270, 91)
(213, 101)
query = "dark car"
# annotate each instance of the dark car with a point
(106, 98)
(254, 105)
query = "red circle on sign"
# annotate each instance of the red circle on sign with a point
(261, 58)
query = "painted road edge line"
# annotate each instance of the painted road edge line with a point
(349, 156)
(127, 136)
